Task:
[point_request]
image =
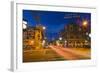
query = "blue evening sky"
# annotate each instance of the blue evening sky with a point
(54, 21)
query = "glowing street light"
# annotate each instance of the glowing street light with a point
(85, 22)
(60, 38)
(44, 28)
(89, 35)
(24, 24)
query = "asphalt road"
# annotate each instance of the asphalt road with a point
(56, 53)
(68, 53)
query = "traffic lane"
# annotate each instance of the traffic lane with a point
(66, 54)
(81, 54)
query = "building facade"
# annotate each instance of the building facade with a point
(33, 37)
(75, 36)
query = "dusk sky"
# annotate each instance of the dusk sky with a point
(54, 21)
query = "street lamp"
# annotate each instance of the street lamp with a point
(85, 22)
(60, 38)
(44, 27)
(89, 35)
(24, 24)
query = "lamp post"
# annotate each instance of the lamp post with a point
(44, 39)
(44, 30)
(60, 39)
(85, 25)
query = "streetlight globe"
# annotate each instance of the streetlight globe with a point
(60, 38)
(85, 23)
(44, 28)
(24, 26)
(89, 35)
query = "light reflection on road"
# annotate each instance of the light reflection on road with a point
(69, 53)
